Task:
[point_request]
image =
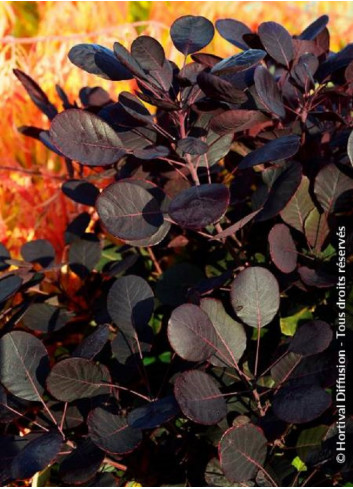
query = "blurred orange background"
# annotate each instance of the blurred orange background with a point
(36, 36)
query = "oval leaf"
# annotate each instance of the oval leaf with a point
(191, 333)
(191, 33)
(98, 60)
(231, 341)
(130, 303)
(129, 211)
(311, 338)
(77, 378)
(38, 251)
(301, 404)
(46, 317)
(330, 183)
(233, 121)
(24, 365)
(268, 92)
(36, 455)
(192, 146)
(278, 149)
(242, 452)
(82, 463)
(277, 42)
(94, 143)
(9, 285)
(111, 432)
(80, 191)
(199, 206)
(299, 206)
(255, 296)
(148, 53)
(282, 248)
(93, 344)
(233, 30)
(153, 414)
(84, 254)
(199, 397)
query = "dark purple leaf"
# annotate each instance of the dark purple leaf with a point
(151, 152)
(238, 62)
(316, 278)
(36, 94)
(231, 338)
(218, 148)
(233, 30)
(132, 105)
(128, 61)
(46, 317)
(191, 333)
(93, 344)
(304, 70)
(277, 41)
(4, 255)
(268, 92)
(38, 251)
(299, 206)
(163, 201)
(284, 368)
(153, 414)
(98, 60)
(191, 33)
(11, 407)
(192, 146)
(330, 183)
(311, 338)
(206, 59)
(44, 137)
(259, 284)
(84, 254)
(301, 404)
(281, 191)
(128, 211)
(80, 191)
(199, 397)
(316, 229)
(215, 87)
(77, 227)
(24, 365)
(77, 378)
(130, 303)
(242, 452)
(111, 432)
(94, 97)
(36, 455)
(199, 206)
(82, 464)
(231, 230)
(235, 120)
(282, 248)
(275, 150)
(148, 53)
(9, 285)
(175, 283)
(94, 143)
(315, 28)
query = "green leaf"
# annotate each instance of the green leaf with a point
(289, 324)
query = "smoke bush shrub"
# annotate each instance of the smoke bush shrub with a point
(187, 337)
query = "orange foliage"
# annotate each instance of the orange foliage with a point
(31, 204)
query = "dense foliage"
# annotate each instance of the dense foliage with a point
(187, 337)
